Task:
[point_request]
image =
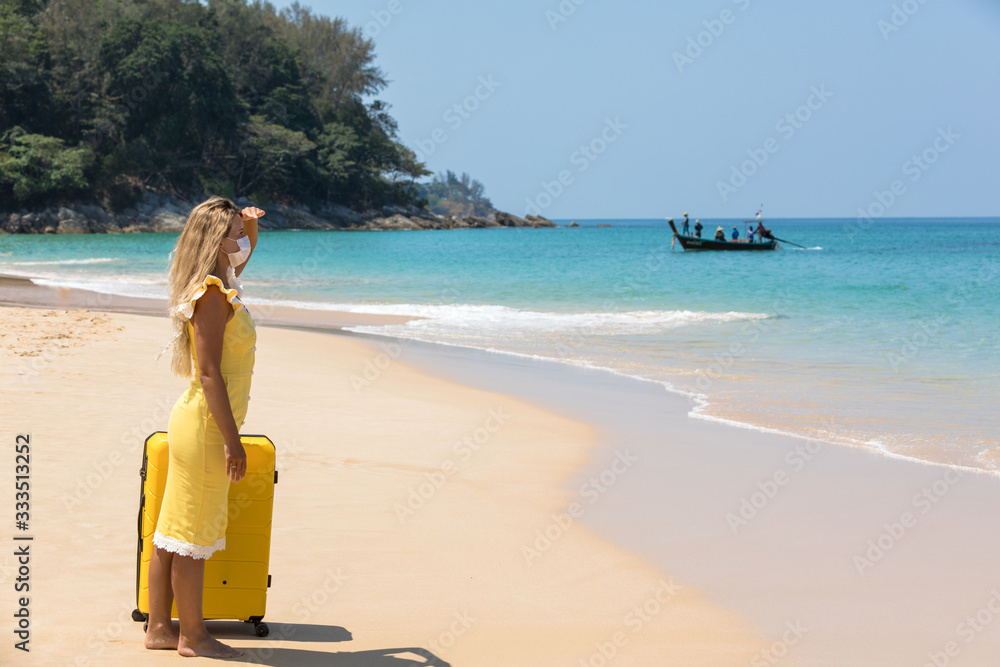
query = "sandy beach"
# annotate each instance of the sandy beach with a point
(405, 515)
(442, 505)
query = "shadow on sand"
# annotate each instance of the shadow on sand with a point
(263, 654)
(387, 657)
(286, 632)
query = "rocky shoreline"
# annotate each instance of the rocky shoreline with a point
(165, 213)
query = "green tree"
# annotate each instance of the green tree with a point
(265, 67)
(382, 170)
(171, 94)
(337, 145)
(270, 154)
(124, 95)
(75, 30)
(33, 165)
(337, 61)
(24, 92)
(460, 196)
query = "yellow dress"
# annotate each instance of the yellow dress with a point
(194, 513)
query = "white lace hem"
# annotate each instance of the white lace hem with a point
(186, 549)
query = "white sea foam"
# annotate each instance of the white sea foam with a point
(117, 285)
(478, 319)
(571, 361)
(54, 262)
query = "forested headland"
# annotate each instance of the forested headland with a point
(106, 101)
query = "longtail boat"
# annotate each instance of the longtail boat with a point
(698, 243)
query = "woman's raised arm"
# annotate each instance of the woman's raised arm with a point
(249, 215)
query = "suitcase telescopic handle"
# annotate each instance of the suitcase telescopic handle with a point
(138, 553)
(138, 527)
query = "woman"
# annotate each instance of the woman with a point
(215, 338)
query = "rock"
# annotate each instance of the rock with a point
(393, 222)
(94, 213)
(72, 227)
(168, 213)
(165, 220)
(509, 220)
(341, 216)
(395, 210)
(477, 222)
(573, 224)
(540, 221)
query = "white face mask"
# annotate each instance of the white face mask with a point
(237, 258)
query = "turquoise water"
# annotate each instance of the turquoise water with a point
(881, 335)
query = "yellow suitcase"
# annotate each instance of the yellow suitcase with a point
(236, 578)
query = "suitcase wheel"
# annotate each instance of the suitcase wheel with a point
(261, 629)
(138, 615)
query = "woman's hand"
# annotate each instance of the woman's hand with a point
(236, 461)
(251, 213)
(249, 216)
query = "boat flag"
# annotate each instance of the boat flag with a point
(759, 211)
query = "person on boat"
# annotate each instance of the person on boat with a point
(762, 232)
(736, 234)
(685, 227)
(750, 234)
(697, 228)
(720, 235)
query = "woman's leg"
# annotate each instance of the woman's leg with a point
(160, 631)
(188, 575)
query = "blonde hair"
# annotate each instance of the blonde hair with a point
(192, 260)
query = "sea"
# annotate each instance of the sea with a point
(882, 334)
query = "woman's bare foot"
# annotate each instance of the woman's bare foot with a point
(161, 636)
(207, 647)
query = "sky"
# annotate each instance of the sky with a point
(646, 109)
